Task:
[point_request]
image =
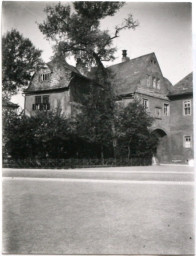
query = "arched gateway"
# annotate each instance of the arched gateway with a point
(163, 146)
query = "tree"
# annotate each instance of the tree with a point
(132, 130)
(94, 124)
(78, 32)
(47, 134)
(19, 60)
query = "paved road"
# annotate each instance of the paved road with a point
(137, 210)
(152, 173)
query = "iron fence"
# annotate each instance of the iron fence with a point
(74, 163)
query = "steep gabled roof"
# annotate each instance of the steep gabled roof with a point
(61, 62)
(59, 84)
(184, 86)
(126, 75)
(134, 64)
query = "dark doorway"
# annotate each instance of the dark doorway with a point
(162, 152)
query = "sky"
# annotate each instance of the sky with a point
(165, 28)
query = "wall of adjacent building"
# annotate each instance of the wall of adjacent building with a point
(181, 125)
(162, 121)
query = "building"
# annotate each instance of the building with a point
(59, 84)
(181, 121)
(9, 106)
(142, 78)
(171, 106)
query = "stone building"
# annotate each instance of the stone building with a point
(59, 84)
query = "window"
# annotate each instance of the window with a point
(148, 81)
(41, 103)
(154, 83)
(145, 103)
(158, 112)
(46, 99)
(44, 77)
(187, 107)
(37, 99)
(158, 84)
(166, 109)
(187, 141)
(153, 61)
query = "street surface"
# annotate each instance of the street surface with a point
(119, 210)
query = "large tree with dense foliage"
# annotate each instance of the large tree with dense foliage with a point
(88, 135)
(19, 60)
(94, 123)
(132, 131)
(47, 134)
(77, 31)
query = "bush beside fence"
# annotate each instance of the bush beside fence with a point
(74, 163)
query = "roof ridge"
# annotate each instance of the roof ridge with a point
(64, 62)
(133, 59)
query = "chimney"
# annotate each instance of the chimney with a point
(124, 56)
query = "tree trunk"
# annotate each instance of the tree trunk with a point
(102, 74)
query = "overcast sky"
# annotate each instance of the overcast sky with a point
(165, 29)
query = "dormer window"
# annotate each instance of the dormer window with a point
(44, 77)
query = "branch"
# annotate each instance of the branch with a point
(70, 47)
(105, 59)
(127, 24)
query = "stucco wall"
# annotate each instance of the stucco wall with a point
(163, 121)
(180, 126)
(56, 99)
